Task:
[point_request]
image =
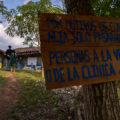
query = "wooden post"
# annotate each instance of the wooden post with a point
(42, 71)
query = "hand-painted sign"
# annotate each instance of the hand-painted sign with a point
(78, 50)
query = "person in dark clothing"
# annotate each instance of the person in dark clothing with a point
(9, 51)
(12, 62)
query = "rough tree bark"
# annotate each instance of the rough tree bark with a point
(100, 100)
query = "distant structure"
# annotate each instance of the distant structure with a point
(27, 58)
(2, 58)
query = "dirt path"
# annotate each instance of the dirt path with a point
(8, 96)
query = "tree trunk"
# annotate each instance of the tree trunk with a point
(101, 100)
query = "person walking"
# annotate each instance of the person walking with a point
(8, 53)
(12, 61)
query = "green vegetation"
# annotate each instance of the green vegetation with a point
(34, 101)
(107, 8)
(24, 20)
(3, 11)
(3, 78)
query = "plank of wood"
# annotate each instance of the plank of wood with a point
(79, 50)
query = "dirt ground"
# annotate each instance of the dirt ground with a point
(8, 96)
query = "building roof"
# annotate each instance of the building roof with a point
(27, 51)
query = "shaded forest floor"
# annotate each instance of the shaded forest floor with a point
(24, 97)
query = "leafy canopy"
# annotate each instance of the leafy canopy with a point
(3, 11)
(24, 21)
(108, 8)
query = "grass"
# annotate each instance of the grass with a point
(3, 78)
(35, 102)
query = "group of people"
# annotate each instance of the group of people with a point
(10, 59)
